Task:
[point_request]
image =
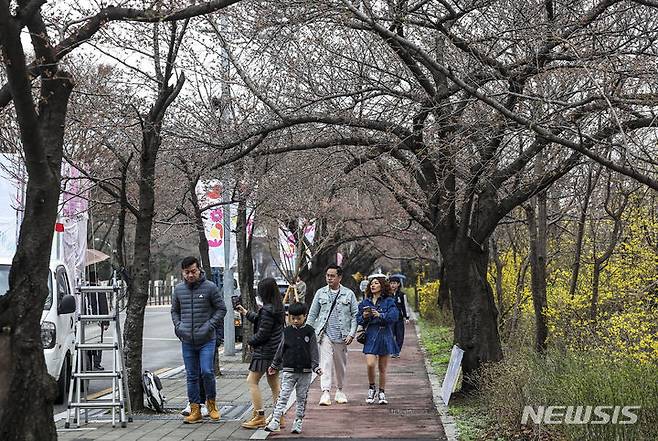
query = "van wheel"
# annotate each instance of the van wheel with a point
(64, 381)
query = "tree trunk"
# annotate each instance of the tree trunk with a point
(204, 250)
(443, 299)
(245, 273)
(537, 232)
(315, 276)
(499, 274)
(518, 296)
(473, 307)
(27, 391)
(596, 277)
(140, 269)
(580, 233)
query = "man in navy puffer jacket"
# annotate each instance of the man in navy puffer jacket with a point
(198, 310)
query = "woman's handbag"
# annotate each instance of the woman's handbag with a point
(361, 335)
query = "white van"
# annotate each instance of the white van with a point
(57, 322)
(58, 315)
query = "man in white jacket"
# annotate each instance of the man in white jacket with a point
(333, 315)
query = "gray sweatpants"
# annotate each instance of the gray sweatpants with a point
(290, 381)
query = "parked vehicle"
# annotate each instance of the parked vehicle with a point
(57, 322)
(66, 268)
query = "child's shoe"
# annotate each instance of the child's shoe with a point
(273, 426)
(297, 426)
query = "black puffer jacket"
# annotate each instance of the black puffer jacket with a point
(268, 331)
(197, 311)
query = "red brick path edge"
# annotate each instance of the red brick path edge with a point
(410, 414)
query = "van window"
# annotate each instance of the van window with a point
(4, 285)
(49, 299)
(4, 279)
(62, 283)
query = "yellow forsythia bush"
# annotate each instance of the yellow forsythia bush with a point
(428, 294)
(625, 327)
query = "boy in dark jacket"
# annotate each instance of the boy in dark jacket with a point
(298, 357)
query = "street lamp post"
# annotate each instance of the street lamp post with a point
(229, 324)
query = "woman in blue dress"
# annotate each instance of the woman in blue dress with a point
(377, 314)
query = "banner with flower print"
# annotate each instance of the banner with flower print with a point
(209, 194)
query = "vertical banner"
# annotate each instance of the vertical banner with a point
(307, 228)
(74, 206)
(287, 250)
(209, 194)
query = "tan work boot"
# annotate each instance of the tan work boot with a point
(213, 412)
(257, 421)
(195, 414)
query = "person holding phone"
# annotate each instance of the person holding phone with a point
(268, 332)
(378, 313)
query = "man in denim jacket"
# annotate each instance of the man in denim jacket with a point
(335, 327)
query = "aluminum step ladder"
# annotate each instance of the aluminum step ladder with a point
(79, 401)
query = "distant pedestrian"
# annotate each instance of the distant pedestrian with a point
(268, 331)
(198, 310)
(97, 304)
(333, 316)
(377, 314)
(398, 328)
(301, 290)
(297, 356)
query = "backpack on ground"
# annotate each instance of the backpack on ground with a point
(153, 391)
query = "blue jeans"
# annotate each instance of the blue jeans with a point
(199, 359)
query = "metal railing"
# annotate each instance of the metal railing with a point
(161, 291)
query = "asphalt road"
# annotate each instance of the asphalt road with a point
(161, 347)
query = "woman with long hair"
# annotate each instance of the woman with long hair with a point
(377, 314)
(268, 331)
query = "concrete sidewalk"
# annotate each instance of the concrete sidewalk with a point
(411, 413)
(232, 399)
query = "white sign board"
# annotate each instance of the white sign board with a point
(452, 374)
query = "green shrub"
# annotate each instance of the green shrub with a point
(559, 379)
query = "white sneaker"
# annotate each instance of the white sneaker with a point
(297, 426)
(272, 426)
(325, 400)
(340, 397)
(382, 398)
(187, 410)
(371, 396)
(204, 410)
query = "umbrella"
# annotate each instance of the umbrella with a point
(94, 256)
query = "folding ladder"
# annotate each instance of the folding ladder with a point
(119, 399)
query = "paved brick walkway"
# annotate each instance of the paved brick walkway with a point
(410, 414)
